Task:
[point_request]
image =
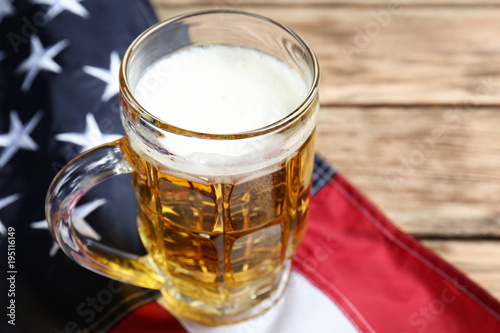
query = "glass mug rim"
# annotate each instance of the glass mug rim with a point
(141, 112)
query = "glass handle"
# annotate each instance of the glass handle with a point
(69, 186)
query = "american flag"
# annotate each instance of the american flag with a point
(354, 272)
(59, 97)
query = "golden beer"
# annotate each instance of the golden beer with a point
(223, 247)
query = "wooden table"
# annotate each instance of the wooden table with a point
(410, 113)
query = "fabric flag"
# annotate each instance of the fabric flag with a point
(58, 98)
(354, 272)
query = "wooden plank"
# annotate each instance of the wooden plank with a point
(434, 171)
(415, 56)
(478, 260)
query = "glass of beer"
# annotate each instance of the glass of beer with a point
(220, 112)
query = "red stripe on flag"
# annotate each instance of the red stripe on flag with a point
(150, 318)
(383, 279)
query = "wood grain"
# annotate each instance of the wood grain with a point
(477, 259)
(435, 171)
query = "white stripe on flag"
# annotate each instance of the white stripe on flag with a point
(303, 308)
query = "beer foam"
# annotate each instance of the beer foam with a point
(221, 90)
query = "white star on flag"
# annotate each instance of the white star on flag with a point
(91, 138)
(18, 137)
(110, 77)
(4, 202)
(78, 218)
(40, 59)
(58, 6)
(6, 9)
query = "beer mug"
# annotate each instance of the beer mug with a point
(220, 212)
